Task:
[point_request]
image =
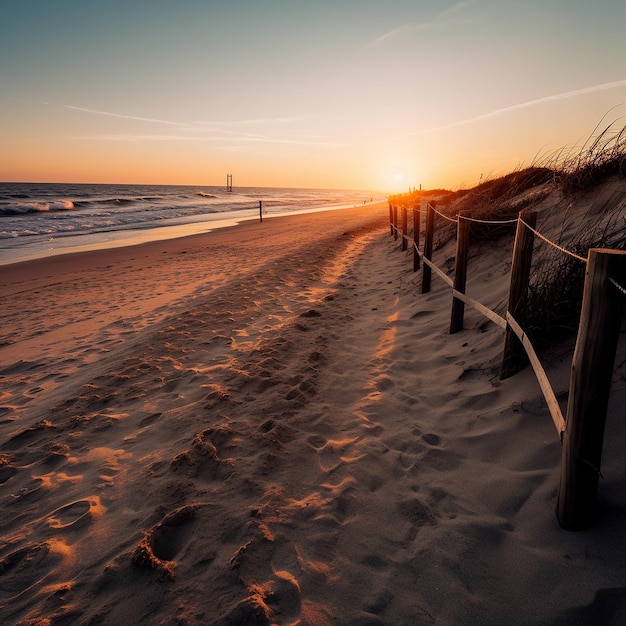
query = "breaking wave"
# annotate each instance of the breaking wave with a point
(23, 208)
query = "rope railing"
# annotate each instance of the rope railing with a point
(479, 221)
(617, 286)
(542, 378)
(503, 222)
(498, 320)
(582, 430)
(509, 320)
(551, 243)
(446, 279)
(501, 322)
(445, 217)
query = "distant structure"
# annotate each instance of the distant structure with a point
(229, 182)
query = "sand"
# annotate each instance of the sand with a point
(269, 424)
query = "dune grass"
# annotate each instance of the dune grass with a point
(554, 297)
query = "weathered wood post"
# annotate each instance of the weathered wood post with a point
(514, 356)
(391, 218)
(460, 273)
(416, 235)
(590, 383)
(405, 226)
(395, 222)
(261, 211)
(428, 245)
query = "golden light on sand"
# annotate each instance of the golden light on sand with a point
(289, 441)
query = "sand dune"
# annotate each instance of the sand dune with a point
(269, 425)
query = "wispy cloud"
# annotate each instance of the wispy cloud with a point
(392, 34)
(529, 103)
(440, 20)
(123, 116)
(215, 132)
(191, 125)
(265, 121)
(212, 139)
(455, 8)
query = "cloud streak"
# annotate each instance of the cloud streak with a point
(122, 116)
(439, 21)
(192, 125)
(223, 132)
(529, 103)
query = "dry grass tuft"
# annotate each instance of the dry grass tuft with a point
(601, 156)
(552, 309)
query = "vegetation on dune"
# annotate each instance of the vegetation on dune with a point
(601, 156)
(553, 187)
(555, 292)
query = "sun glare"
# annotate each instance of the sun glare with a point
(399, 181)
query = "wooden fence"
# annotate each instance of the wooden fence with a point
(581, 432)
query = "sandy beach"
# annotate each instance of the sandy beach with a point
(269, 424)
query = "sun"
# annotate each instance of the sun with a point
(399, 172)
(398, 181)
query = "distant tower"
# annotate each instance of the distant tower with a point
(229, 182)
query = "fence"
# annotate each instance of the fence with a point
(582, 431)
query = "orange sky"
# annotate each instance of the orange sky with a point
(357, 94)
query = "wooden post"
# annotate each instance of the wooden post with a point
(416, 236)
(514, 356)
(460, 273)
(395, 222)
(391, 218)
(261, 211)
(405, 226)
(592, 368)
(428, 246)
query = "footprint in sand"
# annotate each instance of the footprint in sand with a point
(24, 568)
(28, 490)
(75, 514)
(7, 469)
(202, 458)
(279, 596)
(285, 598)
(431, 439)
(334, 453)
(27, 435)
(149, 420)
(164, 541)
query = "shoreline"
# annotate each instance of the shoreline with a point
(190, 227)
(93, 256)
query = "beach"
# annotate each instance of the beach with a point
(269, 424)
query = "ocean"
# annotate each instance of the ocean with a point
(39, 219)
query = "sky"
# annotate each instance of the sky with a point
(359, 94)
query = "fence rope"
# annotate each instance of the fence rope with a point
(617, 286)
(498, 320)
(469, 219)
(554, 245)
(544, 383)
(542, 378)
(445, 217)
(473, 219)
(434, 267)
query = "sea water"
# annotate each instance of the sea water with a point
(38, 219)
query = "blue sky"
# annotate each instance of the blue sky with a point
(335, 93)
